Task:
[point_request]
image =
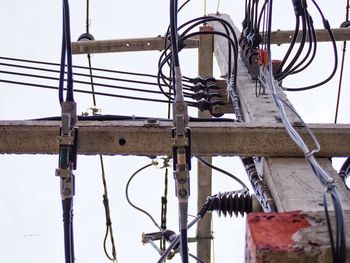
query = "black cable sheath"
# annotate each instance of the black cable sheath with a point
(67, 207)
(131, 203)
(62, 65)
(69, 95)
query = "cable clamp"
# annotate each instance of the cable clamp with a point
(67, 186)
(146, 237)
(162, 162)
(180, 141)
(68, 142)
(92, 111)
(309, 154)
(151, 122)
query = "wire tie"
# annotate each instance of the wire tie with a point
(309, 154)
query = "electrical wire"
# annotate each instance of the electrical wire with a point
(109, 228)
(339, 245)
(78, 67)
(66, 153)
(128, 198)
(87, 92)
(67, 49)
(83, 75)
(342, 61)
(344, 172)
(288, 70)
(180, 122)
(86, 83)
(244, 186)
(218, 6)
(187, 27)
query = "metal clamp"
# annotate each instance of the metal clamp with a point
(68, 141)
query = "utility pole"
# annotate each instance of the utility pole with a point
(289, 178)
(204, 174)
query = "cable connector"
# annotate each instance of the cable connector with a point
(162, 162)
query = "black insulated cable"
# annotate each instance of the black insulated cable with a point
(339, 243)
(67, 207)
(128, 197)
(68, 139)
(69, 96)
(344, 172)
(345, 24)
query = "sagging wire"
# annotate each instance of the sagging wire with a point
(345, 24)
(153, 163)
(339, 244)
(300, 8)
(109, 228)
(244, 186)
(95, 111)
(164, 234)
(68, 138)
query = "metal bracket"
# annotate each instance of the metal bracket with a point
(151, 122)
(68, 141)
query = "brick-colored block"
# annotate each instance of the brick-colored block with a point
(269, 238)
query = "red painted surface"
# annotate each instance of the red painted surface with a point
(273, 231)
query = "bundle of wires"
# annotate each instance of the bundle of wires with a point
(186, 31)
(338, 244)
(300, 61)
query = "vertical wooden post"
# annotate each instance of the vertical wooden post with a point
(205, 68)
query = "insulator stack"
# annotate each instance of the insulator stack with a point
(208, 95)
(231, 203)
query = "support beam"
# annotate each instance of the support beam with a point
(204, 233)
(157, 43)
(144, 138)
(285, 36)
(125, 45)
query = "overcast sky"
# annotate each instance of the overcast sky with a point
(31, 218)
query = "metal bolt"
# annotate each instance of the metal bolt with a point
(182, 193)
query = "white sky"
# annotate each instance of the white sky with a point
(30, 219)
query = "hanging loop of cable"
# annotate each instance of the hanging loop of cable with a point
(109, 228)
